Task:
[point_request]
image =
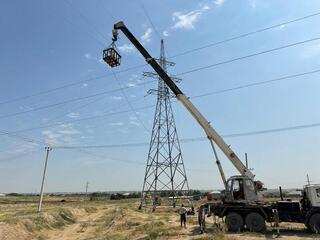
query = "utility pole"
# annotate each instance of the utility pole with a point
(308, 179)
(87, 186)
(246, 157)
(48, 149)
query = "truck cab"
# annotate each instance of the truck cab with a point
(241, 189)
(312, 193)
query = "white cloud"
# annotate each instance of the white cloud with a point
(22, 107)
(133, 118)
(85, 85)
(311, 51)
(131, 84)
(189, 19)
(206, 8)
(219, 2)
(116, 124)
(253, 4)
(88, 56)
(134, 123)
(116, 97)
(185, 21)
(126, 48)
(69, 131)
(165, 33)
(45, 119)
(73, 115)
(51, 138)
(65, 134)
(146, 37)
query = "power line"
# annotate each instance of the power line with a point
(179, 74)
(77, 120)
(109, 158)
(196, 96)
(13, 134)
(109, 12)
(243, 35)
(23, 138)
(89, 23)
(176, 55)
(150, 20)
(21, 155)
(74, 109)
(247, 56)
(182, 73)
(67, 101)
(84, 105)
(286, 77)
(226, 90)
(68, 85)
(129, 103)
(103, 157)
(197, 139)
(93, 36)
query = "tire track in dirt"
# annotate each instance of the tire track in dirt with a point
(77, 230)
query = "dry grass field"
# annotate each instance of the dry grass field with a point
(116, 220)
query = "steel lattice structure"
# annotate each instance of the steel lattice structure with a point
(165, 169)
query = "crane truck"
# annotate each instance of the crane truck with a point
(241, 206)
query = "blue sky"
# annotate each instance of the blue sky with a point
(48, 44)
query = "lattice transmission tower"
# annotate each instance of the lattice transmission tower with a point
(165, 170)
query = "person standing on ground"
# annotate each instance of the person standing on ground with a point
(183, 216)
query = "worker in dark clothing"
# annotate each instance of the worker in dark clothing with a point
(202, 219)
(183, 216)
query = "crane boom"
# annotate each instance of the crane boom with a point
(206, 126)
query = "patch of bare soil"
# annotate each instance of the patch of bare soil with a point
(14, 232)
(119, 220)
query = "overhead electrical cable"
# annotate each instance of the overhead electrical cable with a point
(109, 158)
(129, 103)
(176, 55)
(21, 155)
(274, 80)
(85, 19)
(87, 104)
(285, 77)
(179, 74)
(78, 120)
(243, 35)
(182, 73)
(89, 33)
(23, 138)
(248, 56)
(67, 101)
(109, 12)
(67, 85)
(150, 20)
(197, 139)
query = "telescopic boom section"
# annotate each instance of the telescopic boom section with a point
(208, 129)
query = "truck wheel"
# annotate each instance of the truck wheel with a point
(234, 222)
(255, 222)
(314, 222)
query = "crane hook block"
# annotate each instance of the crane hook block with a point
(111, 57)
